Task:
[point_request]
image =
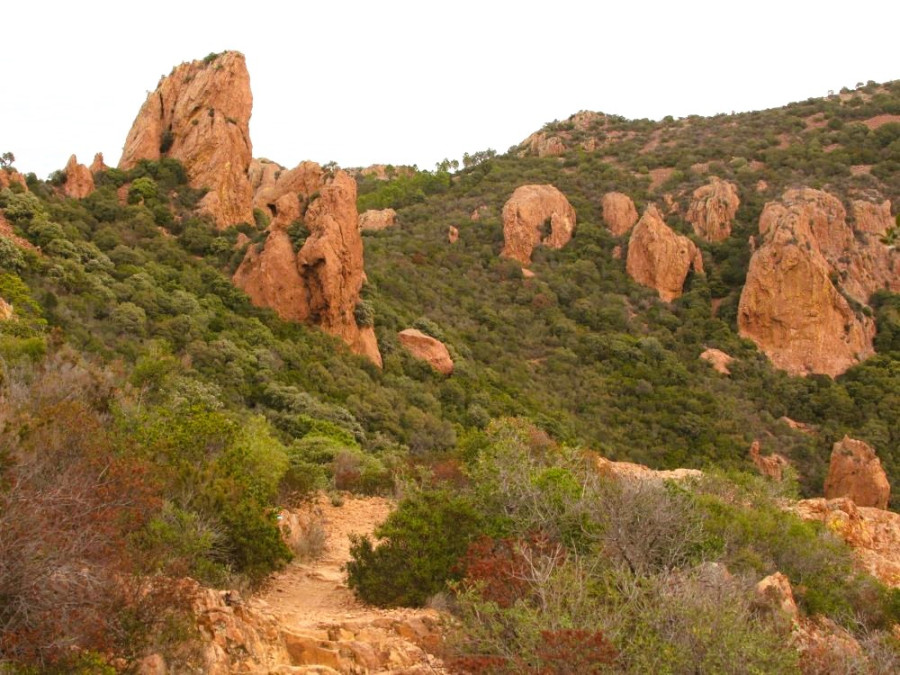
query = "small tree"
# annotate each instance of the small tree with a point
(6, 160)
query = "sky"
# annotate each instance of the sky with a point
(394, 82)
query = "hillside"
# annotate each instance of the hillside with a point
(196, 338)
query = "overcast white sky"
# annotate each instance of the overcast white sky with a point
(414, 82)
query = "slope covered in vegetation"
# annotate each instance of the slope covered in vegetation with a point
(153, 419)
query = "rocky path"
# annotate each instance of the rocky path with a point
(325, 628)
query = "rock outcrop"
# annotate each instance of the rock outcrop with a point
(98, 164)
(660, 258)
(200, 115)
(790, 305)
(6, 310)
(428, 349)
(319, 282)
(543, 145)
(377, 219)
(79, 179)
(639, 472)
(712, 210)
(619, 212)
(855, 472)
(775, 590)
(772, 466)
(536, 215)
(10, 176)
(452, 234)
(718, 359)
(6, 230)
(874, 534)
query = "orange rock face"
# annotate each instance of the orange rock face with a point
(79, 180)
(619, 212)
(542, 145)
(377, 219)
(10, 176)
(772, 466)
(6, 310)
(200, 115)
(713, 208)
(874, 534)
(525, 218)
(660, 258)
(428, 349)
(452, 235)
(319, 283)
(718, 359)
(98, 164)
(790, 306)
(855, 472)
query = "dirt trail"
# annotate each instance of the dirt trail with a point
(311, 601)
(308, 594)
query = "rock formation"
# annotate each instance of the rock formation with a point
(660, 258)
(789, 305)
(428, 349)
(718, 359)
(874, 534)
(452, 235)
(772, 466)
(619, 212)
(98, 164)
(6, 230)
(542, 145)
(855, 472)
(776, 590)
(526, 215)
(320, 282)
(377, 219)
(79, 179)
(639, 472)
(200, 115)
(713, 208)
(6, 310)
(10, 176)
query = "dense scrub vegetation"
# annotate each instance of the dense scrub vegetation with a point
(547, 564)
(139, 385)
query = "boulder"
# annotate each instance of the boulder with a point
(79, 179)
(428, 349)
(638, 472)
(712, 209)
(452, 235)
(619, 212)
(200, 115)
(319, 283)
(775, 591)
(660, 258)
(855, 472)
(789, 305)
(377, 219)
(772, 466)
(718, 359)
(6, 310)
(536, 215)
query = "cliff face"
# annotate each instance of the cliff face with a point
(200, 115)
(790, 305)
(660, 258)
(320, 282)
(525, 215)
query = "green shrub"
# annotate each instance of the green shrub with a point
(423, 542)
